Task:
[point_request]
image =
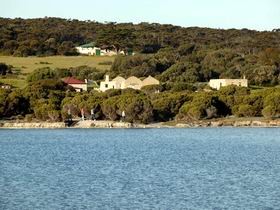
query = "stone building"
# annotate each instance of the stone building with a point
(218, 83)
(121, 83)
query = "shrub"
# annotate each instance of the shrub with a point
(245, 110)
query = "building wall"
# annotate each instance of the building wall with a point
(218, 83)
(107, 85)
(92, 51)
(119, 82)
(87, 51)
(108, 52)
(79, 87)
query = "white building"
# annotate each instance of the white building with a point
(218, 83)
(107, 84)
(91, 49)
(88, 49)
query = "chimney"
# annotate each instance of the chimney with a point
(244, 77)
(86, 81)
(107, 78)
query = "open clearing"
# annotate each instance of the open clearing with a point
(29, 64)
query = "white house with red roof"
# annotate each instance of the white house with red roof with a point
(79, 85)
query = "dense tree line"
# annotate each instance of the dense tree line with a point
(52, 36)
(51, 100)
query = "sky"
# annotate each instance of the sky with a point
(252, 14)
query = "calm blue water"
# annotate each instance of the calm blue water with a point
(224, 168)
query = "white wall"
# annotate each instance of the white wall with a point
(218, 83)
(87, 51)
(79, 87)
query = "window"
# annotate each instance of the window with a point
(106, 85)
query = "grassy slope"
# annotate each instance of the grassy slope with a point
(29, 64)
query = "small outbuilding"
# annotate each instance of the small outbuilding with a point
(78, 85)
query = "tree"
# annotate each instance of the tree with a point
(41, 74)
(202, 106)
(3, 69)
(67, 48)
(272, 105)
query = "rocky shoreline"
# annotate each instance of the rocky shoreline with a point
(112, 124)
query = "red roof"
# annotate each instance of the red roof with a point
(72, 80)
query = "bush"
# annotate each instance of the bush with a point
(245, 110)
(137, 108)
(41, 74)
(203, 106)
(167, 105)
(269, 112)
(272, 104)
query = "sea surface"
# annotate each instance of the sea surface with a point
(202, 168)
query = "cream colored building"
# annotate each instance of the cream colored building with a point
(121, 83)
(218, 83)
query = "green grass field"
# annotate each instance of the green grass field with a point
(29, 64)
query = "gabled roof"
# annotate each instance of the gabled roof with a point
(72, 80)
(150, 81)
(119, 79)
(89, 45)
(133, 81)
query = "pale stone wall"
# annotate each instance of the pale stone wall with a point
(79, 87)
(107, 84)
(108, 52)
(218, 83)
(87, 51)
(119, 81)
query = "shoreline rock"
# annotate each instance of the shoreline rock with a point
(112, 124)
